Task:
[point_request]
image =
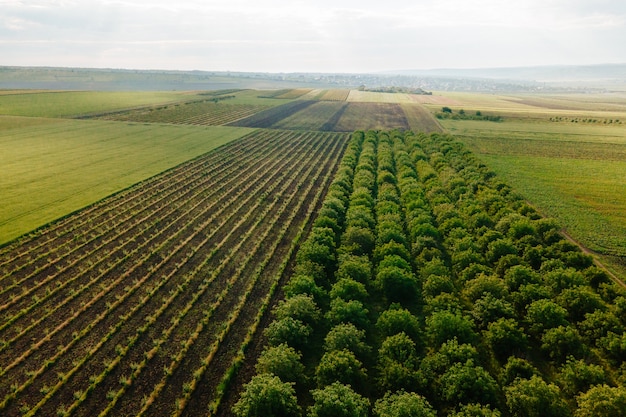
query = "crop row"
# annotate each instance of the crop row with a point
(428, 287)
(134, 326)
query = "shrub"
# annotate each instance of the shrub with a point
(267, 396)
(602, 401)
(442, 326)
(338, 400)
(300, 307)
(348, 289)
(346, 336)
(468, 383)
(290, 331)
(341, 366)
(352, 311)
(403, 404)
(535, 398)
(282, 361)
(398, 320)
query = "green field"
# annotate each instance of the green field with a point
(52, 167)
(565, 154)
(322, 239)
(73, 103)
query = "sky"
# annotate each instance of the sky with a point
(346, 36)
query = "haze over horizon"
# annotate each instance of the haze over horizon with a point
(346, 36)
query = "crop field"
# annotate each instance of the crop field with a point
(425, 283)
(207, 112)
(365, 116)
(321, 115)
(140, 304)
(53, 167)
(73, 103)
(335, 95)
(420, 119)
(318, 244)
(562, 154)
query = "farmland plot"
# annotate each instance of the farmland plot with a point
(206, 112)
(365, 116)
(141, 304)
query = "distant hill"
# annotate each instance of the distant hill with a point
(520, 79)
(556, 73)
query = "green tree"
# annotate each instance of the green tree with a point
(488, 308)
(293, 332)
(562, 341)
(358, 240)
(398, 285)
(505, 337)
(358, 268)
(475, 410)
(352, 311)
(403, 404)
(282, 361)
(545, 314)
(349, 289)
(267, 396)
(397, 363)
(341, 366)
(535, 398)
(577, 376)
(442, 326)
(397, 320)
(338, 400)
(347, 336)
(517, 368)
(602, 401)
(304, 284)
(468, 383)
(300, 307)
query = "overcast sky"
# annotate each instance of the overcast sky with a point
(311, 36)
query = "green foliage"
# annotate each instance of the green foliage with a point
(505, 337)
(353, 311)
(358, 240)
(301, 307)
(398, 284)
(356, 267)
(579, 301)
(437, 284)
(481, 285)
(475, 410)
(398, 320)
(468, 383)
(517, 368)
(304, 284)
(397, 363)
(341, 366)
(347, 336)
(602, 401)
(545, 314)
(403, 404)
(290, 331)
(535, 398)
(349, 289)
(267, 396)
(577, 376)
(442, 326)
(338, 400)
(562, 341)
(282, 361)
(489, 308)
